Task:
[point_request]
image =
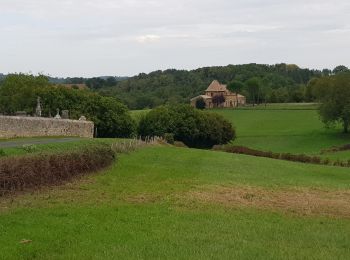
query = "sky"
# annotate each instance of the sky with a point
(125, 37)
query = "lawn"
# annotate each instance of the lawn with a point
(176, 203)
(283, 130)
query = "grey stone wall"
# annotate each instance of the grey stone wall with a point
(14, 126)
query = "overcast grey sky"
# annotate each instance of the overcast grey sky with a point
(125, 37)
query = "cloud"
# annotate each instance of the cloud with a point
(148, 38)
(125, 37)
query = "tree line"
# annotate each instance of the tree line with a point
(259, 83)
(19, 92)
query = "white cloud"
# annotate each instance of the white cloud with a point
(148, 38)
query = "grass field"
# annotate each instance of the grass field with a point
(173, 203)
(283, 106)
(284, 130)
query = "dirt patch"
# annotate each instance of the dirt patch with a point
(297, 201)
(142, 198)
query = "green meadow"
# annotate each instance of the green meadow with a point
(284, 130)
(157, 203)
(163, 202)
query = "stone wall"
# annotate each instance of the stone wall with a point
(14, 126)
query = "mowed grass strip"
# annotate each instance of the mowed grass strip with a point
(137, 210)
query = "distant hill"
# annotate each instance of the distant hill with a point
(279, 83)
(285, 82)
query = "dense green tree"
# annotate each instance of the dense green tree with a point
(235, 86)
(326, 72)
(20, 92)
(193, 127)
(334, 94)
(200, 103)
(253, 87)
(340, 69)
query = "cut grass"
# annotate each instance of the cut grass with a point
(136, 210)
(288, 131)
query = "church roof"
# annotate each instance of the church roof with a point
(216, 86)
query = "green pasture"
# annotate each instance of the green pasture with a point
(140, 209)
(288, 128)
(283, 130)
(162, 202)
(283, 106)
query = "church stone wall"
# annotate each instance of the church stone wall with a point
(14, 126)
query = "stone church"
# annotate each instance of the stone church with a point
(229, 99)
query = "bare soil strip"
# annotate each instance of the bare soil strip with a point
(297, 201)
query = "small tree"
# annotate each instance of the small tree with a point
(191, 126)
(253, 88)
(218, 100)
(340, 69)
(200, 103)
(334, 94)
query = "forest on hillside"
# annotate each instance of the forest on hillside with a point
(260, 83)
(276, 83)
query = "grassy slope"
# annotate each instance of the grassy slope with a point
(294, 131)
(134, 211)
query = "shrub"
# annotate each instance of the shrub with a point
(2, 153)
(169, 138)
(180, 144)
(193, 127)
(280, 156)
(200, 103)
(36, 170)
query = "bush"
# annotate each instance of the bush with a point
(169, 138)
(193, 127)
(280, 156)
(180, 144)
(35, 170)
(200, 103)
(111, 118)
